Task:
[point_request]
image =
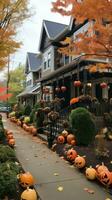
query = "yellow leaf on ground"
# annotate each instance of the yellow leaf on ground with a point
(60, 188)
(56, 174)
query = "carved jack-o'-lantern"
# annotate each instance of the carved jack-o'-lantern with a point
(90, 173)
(71, 154)
(70, 137)
(105, 177)
(9, 132)
(60, 139)
(26, 179)
(11, 142)
(29, 194)
(100, 168)
(80, 162)
(10, 136)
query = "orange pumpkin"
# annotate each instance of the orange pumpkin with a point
(10, 136)
(105, 177)
(30, 128)
(26, 180)
(34, 131)
(100, 168)
(71, 154)
(60, 139)
(73, 142)
(9, 132)
(70, 137)
(80, 162)
(24, 126)
(90, 173)
(11, 142)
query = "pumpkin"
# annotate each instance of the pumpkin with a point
(29, 194)
(26, 179)
(19, 123)
(71, 154)
(34, 131)
(100, 168)
(11, 142)
(30, 128)
(64, 133)
(9, 132)
(24, 126)
(10, 136)
(70, 137)
(73, 142)
(105, 177)
(90, 173)
(60, 139)
(80, 162)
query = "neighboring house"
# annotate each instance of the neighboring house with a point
(32, 92)
(54, 70)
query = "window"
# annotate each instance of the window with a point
(49, 59)
(66, 59)
(45, 65)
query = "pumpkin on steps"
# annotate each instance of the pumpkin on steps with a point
(61, 139)
(71, 154)
(26, 179)
(70, 137)
(80, 162)
(11, 142)
(29, 194)
(90, 173)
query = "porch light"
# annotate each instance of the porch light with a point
(77, 83)
(63, 88)
(89, 84)
(103, 85)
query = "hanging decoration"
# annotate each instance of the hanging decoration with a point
(77, 83)
(103, 85)
(63, 88)
(57, 89)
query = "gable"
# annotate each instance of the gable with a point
(49, 32)
(45, 41)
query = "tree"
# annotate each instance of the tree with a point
(16, 83)
(97, 40)
(12, 15)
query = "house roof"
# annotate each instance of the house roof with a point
(30, 91)
(54, 29)
(33, 62)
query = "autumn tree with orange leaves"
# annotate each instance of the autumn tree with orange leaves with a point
(97, 40)
(12, 15)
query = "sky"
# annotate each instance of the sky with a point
(30, 31)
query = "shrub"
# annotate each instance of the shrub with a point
(6, 153)
(8, 181)
(82, 125)
(27, 110)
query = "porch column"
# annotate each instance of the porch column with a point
(93, 94)
(105, 93)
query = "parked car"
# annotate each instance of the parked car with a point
(5, 108)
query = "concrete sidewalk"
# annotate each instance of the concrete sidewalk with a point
(50, 171)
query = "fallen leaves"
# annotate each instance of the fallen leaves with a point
(90, 191)
(56, 174)
(60, 188)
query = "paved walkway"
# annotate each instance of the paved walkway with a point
(50, 171)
